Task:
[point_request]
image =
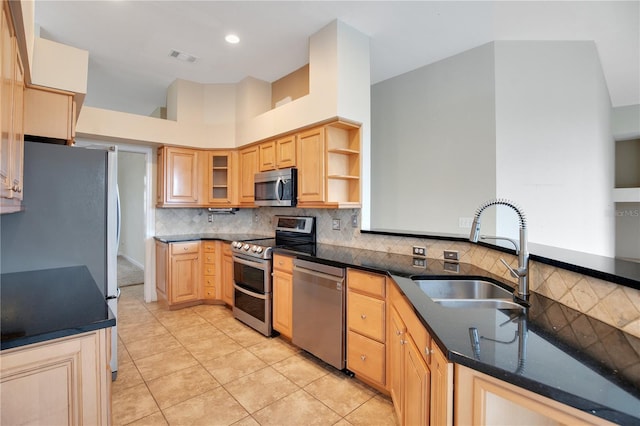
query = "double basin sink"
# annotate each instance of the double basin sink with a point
(467, 293)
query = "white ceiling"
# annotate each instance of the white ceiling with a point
(129, 41)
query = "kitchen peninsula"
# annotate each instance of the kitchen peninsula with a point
(56, 348)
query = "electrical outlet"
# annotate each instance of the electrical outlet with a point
(451, 255)
(335, 225)
(419, 251)
(210, 217)
(419, 262)
(354, 220)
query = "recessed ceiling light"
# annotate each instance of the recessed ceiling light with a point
(182, 56)
(232, 38)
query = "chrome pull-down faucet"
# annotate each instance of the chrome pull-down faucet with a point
(522, 272)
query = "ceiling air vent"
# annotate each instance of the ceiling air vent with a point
(182, 56)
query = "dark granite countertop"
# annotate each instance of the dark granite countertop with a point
(211, 236)
(37, 306)
(551, 349)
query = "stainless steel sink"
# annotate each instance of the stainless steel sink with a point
(463, 289)
(466, 293)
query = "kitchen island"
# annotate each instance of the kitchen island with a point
(56, 348)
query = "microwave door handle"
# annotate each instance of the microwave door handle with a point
(279, 189)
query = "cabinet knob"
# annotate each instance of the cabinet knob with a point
(398, 332)
(185, 248)
(363, 357)
(402, 342)
(363, 316)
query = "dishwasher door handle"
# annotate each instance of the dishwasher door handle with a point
(326, 277)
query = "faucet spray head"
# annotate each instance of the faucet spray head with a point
(475, 229)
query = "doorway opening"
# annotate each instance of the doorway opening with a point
(131, 246)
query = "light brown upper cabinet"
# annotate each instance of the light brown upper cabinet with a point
(11, 117)
(178, 177)
(248, 168)
(278, 154)
(221, 174)
(329, 166)
(49, 113)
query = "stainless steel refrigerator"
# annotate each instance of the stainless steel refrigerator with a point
(70, 217)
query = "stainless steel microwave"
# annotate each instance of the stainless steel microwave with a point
(276, 188)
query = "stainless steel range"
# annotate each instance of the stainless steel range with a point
(252, 269)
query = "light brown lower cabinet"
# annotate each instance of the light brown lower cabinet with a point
(484, 400)
(420, 377)
(283, 295)
(366, 327)
(178, 273)
(65, 381)
(227, 275)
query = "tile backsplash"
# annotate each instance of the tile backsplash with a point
(613, 304)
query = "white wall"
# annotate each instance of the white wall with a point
(433, 145)
(131, 183)
(554, 148)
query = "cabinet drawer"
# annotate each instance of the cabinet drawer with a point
(209, 281)
(283, 263)
(209, 247)
(365, 315)
(226, 249)
(366, 357)
(209, 292)
(209, 269)
(182, 248)
(209, 257)
(373, 284)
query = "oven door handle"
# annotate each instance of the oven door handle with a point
(253, 263)
(249, 293)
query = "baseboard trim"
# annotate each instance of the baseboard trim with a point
(132, 260)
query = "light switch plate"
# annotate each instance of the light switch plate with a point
(335, 225)
(451, 255)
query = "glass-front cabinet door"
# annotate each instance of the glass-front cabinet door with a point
(220, 185)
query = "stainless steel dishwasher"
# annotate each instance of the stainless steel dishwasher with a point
(319, 311)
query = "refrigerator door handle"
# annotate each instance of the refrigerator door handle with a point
(117, 295)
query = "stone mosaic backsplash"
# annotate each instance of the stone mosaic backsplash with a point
(610, 303)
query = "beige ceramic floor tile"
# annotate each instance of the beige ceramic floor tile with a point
(142, 331)
(132, 404)
(299, 408)
(273, 350)
(301, 369)
(213, 314)
(261, 388)
(231, 325)
(153, 306)
(215, 407)
(246, 336)
(179, 386)
(123, 353)
(143, 348)
(377, 410)
(342, 422)
(341, 393)
(128, 376)
(233, 365)
(176, 320)
(155, 419)
(165, 363)
(247, 421)
(195, 333)
(213, 347)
